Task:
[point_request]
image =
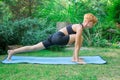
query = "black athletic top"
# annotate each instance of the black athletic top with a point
(70, 30)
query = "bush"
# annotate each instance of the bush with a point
(31, 31)
(35, 36)
(5, 34)
(26, 32)
(94, 39)
(114, 11)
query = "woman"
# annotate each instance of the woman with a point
(67, 35)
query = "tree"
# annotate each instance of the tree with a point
(21, 8)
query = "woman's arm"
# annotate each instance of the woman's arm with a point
(78, 43)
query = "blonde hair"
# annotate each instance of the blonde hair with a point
(90, 17)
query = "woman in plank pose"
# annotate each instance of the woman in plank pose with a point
(67, 35)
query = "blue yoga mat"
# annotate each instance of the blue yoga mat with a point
(54, 60)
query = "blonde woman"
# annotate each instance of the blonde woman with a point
(67, 35)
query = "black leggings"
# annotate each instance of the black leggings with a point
(57, 38)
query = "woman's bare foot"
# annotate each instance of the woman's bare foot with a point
(79, 61)
(10, 53)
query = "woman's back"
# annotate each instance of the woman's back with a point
(70, 29)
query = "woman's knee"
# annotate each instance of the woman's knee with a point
(72, 38)
(38, 46)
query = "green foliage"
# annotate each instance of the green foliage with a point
(105, 32)
(61, 10)
(5, 33)
(94, 39)
(20, 27)
(5, 13)
(20, 8)
(33, 36)
(30, 31)
(26, 32)
(44, 14)
(114, 11)
(73, 12)
(110, 30)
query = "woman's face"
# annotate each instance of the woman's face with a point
(90, 24)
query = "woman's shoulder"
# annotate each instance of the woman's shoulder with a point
(78, 26)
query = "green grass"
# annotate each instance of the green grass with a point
(109, 71)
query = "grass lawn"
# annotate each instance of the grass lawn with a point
(109, 71)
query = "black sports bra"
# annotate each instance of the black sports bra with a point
(70, 30)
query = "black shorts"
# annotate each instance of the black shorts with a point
(57, 38)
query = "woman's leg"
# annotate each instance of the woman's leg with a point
(38, 46)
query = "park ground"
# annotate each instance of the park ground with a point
(108, 71)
